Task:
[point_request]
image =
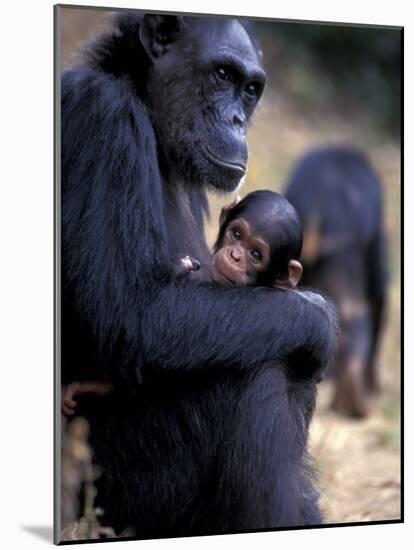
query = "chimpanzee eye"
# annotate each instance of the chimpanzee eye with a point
(255, 254)
(252, 89)
(224, 74)
(236, 234)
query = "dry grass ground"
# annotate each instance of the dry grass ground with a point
(359, 461)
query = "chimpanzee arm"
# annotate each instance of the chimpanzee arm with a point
(205, 325)
(115, 284)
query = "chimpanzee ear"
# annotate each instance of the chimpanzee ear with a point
(158, 32)
(225, 211)
(295, 270)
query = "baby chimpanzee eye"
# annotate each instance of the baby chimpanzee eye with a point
(236, 234)
(255, 254)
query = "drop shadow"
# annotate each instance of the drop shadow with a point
(42, 532)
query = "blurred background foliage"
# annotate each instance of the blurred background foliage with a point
(345, 67)
(327, 84)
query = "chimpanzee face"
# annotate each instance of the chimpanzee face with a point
(243, 254)
(203, 87)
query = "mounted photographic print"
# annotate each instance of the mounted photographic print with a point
(228, 202)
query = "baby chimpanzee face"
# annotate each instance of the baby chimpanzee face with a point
(243, 254)
(259, 242)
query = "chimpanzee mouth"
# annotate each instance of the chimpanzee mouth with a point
(237, 166)
(222, 275)
(230, 281)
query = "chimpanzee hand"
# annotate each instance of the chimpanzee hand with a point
(190, 264)
(72, 392)
(226, 209)
(316, 356)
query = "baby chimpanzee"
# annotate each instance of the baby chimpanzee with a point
(259, 243)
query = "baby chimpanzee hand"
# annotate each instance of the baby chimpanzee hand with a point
(190, 264)
(227, 208)
(72, 392)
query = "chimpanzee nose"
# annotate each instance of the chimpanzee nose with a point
(235, 255)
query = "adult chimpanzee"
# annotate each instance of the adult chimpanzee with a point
(338, 197)
(201, 434)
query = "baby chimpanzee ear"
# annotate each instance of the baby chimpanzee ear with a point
(295, 270)
(225, 211)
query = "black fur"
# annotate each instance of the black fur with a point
(202, 433)
(336, 190)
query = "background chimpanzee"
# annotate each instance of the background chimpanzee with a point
(339, 200)
(201, 433)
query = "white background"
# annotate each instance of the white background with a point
(26, 289)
